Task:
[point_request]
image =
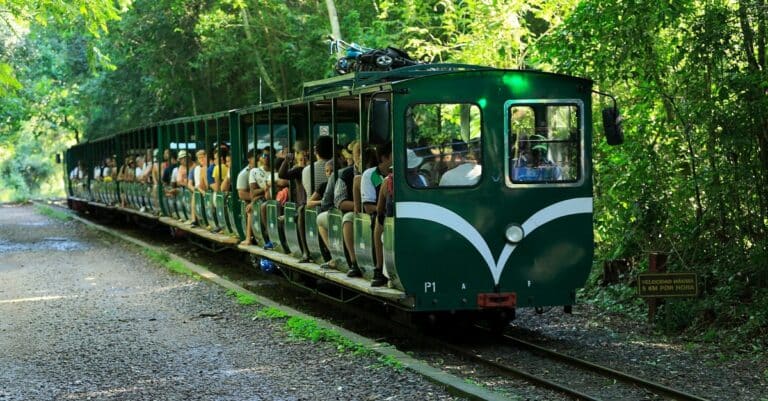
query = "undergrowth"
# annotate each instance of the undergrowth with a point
(164, 259)
(270, 313)
(242, 297)
(308, 329)
(53, 213)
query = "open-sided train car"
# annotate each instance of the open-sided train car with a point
(498, 233)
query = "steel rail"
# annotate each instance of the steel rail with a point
(530, 377)
(609, 372)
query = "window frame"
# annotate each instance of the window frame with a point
(482, 143)
(582, 151)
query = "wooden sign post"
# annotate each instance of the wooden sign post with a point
(657, 283)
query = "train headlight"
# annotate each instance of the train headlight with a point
(514, 233)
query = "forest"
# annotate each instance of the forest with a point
(690, 76)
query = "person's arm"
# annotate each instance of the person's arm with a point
(356, 196)
(315, 200)
(256, 192)
(284, 168)
(381, 202)
(217, 181)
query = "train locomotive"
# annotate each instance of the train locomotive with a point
(511, 227)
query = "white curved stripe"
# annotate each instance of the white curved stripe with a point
(448, 218)
(441, 215)
(556, 211)
(543, 216)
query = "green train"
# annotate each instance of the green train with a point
(488, 177)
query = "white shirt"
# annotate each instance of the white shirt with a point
(196, 173)
(320, 178)
(242, 179)
(258, 176)
(463, 175)
(174, 174)
(97, 173)
(367, 190)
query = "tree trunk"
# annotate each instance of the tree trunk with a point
(334, 18)
(257, 57)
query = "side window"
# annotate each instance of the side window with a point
(544, 144)
(443, 145)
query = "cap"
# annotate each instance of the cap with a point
(542, 147)
(183, 154)
(413, 160)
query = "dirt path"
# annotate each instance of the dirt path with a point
(83, 317)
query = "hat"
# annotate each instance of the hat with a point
(183, 154)
(413, 160)
(542, 147)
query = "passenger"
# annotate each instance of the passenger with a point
(225, 178)
(371, 181)
(466, 170)
(326, 203)
(384, 208)
(138, 168)
(97, 170)
(170, 165)
(291, 170)
(111, 170)
(195, 181)
(200, 176)
(323, 153)
(271, 179)
(413, 176)
(156, 168)
(243, 191)
(257, 181)
(218, 175)
(343, 199)
(317, 197)
(534, 166)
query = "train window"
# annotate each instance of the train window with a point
(544, 144)
(444, 145)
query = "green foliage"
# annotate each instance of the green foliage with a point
(243, 298)
(164, 259)
(53, 213)
(270, 313)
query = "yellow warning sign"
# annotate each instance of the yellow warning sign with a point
(665, 285)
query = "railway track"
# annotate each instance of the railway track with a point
(478, 356)
(639, 383)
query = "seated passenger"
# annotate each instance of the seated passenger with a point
(344, 200)
(413, 176)
(535, 167)
(219, 175)
(270, 178)
(170, 165)
(257, 182)
(291, 169)
(384, 208)
(372, 179)
(466, 170)
(244, 193)
(325, 204)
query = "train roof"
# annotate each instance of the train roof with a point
(363, 79)
(357, 82)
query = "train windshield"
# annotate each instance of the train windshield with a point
(544, 143)
(444, 145)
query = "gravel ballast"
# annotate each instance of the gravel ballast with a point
(87, 317)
